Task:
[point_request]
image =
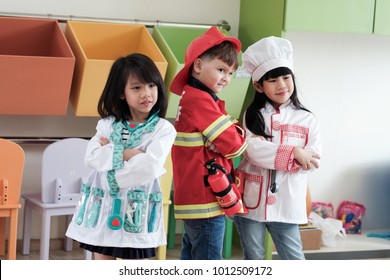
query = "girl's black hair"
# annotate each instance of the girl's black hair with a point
(254, 120)
(112, 103)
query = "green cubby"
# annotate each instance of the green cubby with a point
(349, 16)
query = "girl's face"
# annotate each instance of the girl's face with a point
(140, 98)
(278, 90)
(213, 73)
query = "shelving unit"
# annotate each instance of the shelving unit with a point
(353, 246)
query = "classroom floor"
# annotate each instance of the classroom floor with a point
(78, 254)
(356, 246)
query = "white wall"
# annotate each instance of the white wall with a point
(195, 12)
(345, 80)
(185, 11)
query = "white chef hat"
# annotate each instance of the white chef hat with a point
(267, 54)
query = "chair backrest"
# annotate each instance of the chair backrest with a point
(63, 170)
(11, 171)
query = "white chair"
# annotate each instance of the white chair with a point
(63, 171)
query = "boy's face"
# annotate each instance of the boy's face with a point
(213, 73)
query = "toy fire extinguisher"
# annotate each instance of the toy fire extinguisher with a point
(226, 192)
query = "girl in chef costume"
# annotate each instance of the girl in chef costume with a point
(284, 145)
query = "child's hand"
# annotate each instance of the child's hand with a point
(129, 153)
(104, 141)
(212, 147)
(306, 158)
(258, 137)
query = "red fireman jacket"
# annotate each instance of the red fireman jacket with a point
(200, 119)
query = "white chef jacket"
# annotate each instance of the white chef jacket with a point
(138, 176)
(289, 127)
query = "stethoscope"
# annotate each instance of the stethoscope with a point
(274, 187)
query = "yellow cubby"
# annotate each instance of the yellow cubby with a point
(96, 46)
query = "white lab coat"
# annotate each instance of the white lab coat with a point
(142, 173)
(290, 127)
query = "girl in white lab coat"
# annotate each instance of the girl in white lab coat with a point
(284, 144)
(119, 214)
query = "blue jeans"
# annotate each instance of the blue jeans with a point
(285, 236)
(203, 239)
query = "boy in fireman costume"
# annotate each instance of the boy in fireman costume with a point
(204, 131)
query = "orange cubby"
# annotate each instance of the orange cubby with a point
(96, 46)
(36, 67)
